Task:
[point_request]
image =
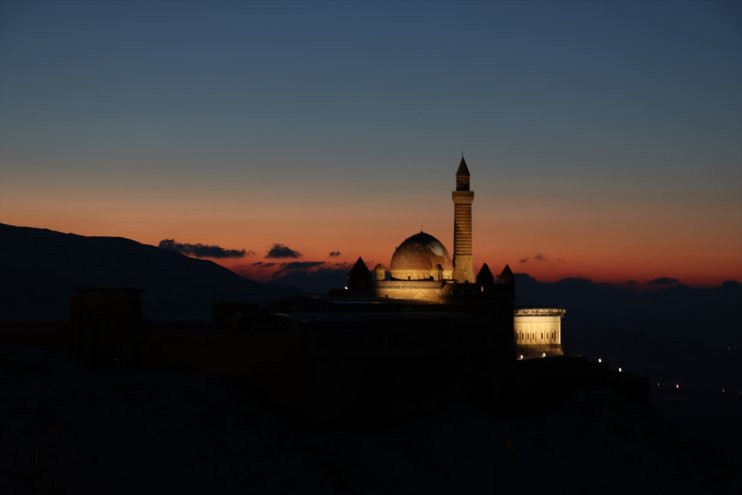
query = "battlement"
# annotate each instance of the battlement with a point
(541, 312)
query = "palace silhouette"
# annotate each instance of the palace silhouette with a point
(422, 271)
(390, 345)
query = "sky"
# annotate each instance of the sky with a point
(604, 139)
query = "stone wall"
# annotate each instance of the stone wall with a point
(538, 331)
(421, 290)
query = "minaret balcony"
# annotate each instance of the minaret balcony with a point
(462, 196)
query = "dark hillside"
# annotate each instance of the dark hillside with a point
(708, 315)
(40, 269)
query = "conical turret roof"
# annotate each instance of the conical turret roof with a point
(359, 268)
(359, 277)
(507, 275)
(463, 169)
(485, 277)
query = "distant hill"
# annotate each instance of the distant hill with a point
(40, 269)
(710, 315)
(677, 334)
(318, 282)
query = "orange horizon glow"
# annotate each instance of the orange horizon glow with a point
(562, 260)
(563, 233)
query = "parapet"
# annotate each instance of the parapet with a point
(541, 312)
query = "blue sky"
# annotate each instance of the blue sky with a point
(566, 107)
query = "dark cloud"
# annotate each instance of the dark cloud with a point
(630, 281)
(536, 257)
(282, 251)
(664, 281)
(300, 265)
(316, 275)
(334, 254)
(203, 250)
(266, 264)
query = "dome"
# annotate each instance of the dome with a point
(421, 257)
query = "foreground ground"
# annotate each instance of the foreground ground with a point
(64, 429)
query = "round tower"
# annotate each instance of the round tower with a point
(463, 264)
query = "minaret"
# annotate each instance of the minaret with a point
(463, 265)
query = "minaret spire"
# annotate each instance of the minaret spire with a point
(463, 264)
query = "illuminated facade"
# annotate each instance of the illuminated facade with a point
(538, 331)
(421, 267)
(422, 271)
(463, 266)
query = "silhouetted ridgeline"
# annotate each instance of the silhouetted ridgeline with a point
(678, 334)
(41, 269)
(710, 315)
(318, 281)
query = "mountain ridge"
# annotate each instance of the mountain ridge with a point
(42, 268)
